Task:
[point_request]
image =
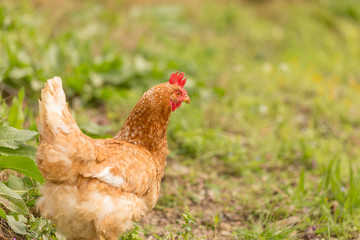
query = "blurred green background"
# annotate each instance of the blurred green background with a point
(269, 146)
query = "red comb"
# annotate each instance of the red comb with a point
(178, 79)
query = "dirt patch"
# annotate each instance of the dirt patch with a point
(215, 212)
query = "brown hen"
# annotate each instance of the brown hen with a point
(96, 188)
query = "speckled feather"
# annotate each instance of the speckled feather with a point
(95, 188)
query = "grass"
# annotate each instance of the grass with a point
(268, 148)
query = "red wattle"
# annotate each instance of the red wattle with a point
(174, 105)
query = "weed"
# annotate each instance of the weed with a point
(132, 234)
(188, 223)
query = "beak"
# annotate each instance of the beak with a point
(187, 100)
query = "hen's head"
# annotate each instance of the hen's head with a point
(148, 121)
(178, 92)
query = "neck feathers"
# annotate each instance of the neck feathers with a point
(148, 121)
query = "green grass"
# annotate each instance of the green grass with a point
(269, 146)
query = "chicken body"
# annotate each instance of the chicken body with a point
(96, 188)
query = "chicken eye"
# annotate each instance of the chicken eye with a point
(178, 93)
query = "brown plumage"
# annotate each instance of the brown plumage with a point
(96, 188)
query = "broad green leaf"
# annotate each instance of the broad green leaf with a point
(23, 150)
(8, 192)
(16, 183)
(22, 165)
(11, 200)
(18, 226)
(14, 138)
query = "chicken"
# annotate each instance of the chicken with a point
(96, 188)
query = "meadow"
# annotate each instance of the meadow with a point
(268, 147)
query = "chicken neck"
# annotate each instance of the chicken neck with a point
(147, 123)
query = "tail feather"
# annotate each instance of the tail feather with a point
(54, 113)
(62, 144)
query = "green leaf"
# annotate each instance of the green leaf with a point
(18, 226)
(2, 213)
(6, 191)
(16, 183)
(14, 138)
(23, 150)
(301, 185)
(18, 73)
(11, 200)
(22, 165)
(95, 129)
(16, 114)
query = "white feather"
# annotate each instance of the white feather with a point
(55, 105)
(109, 178)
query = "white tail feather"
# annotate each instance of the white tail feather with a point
(53, 110)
